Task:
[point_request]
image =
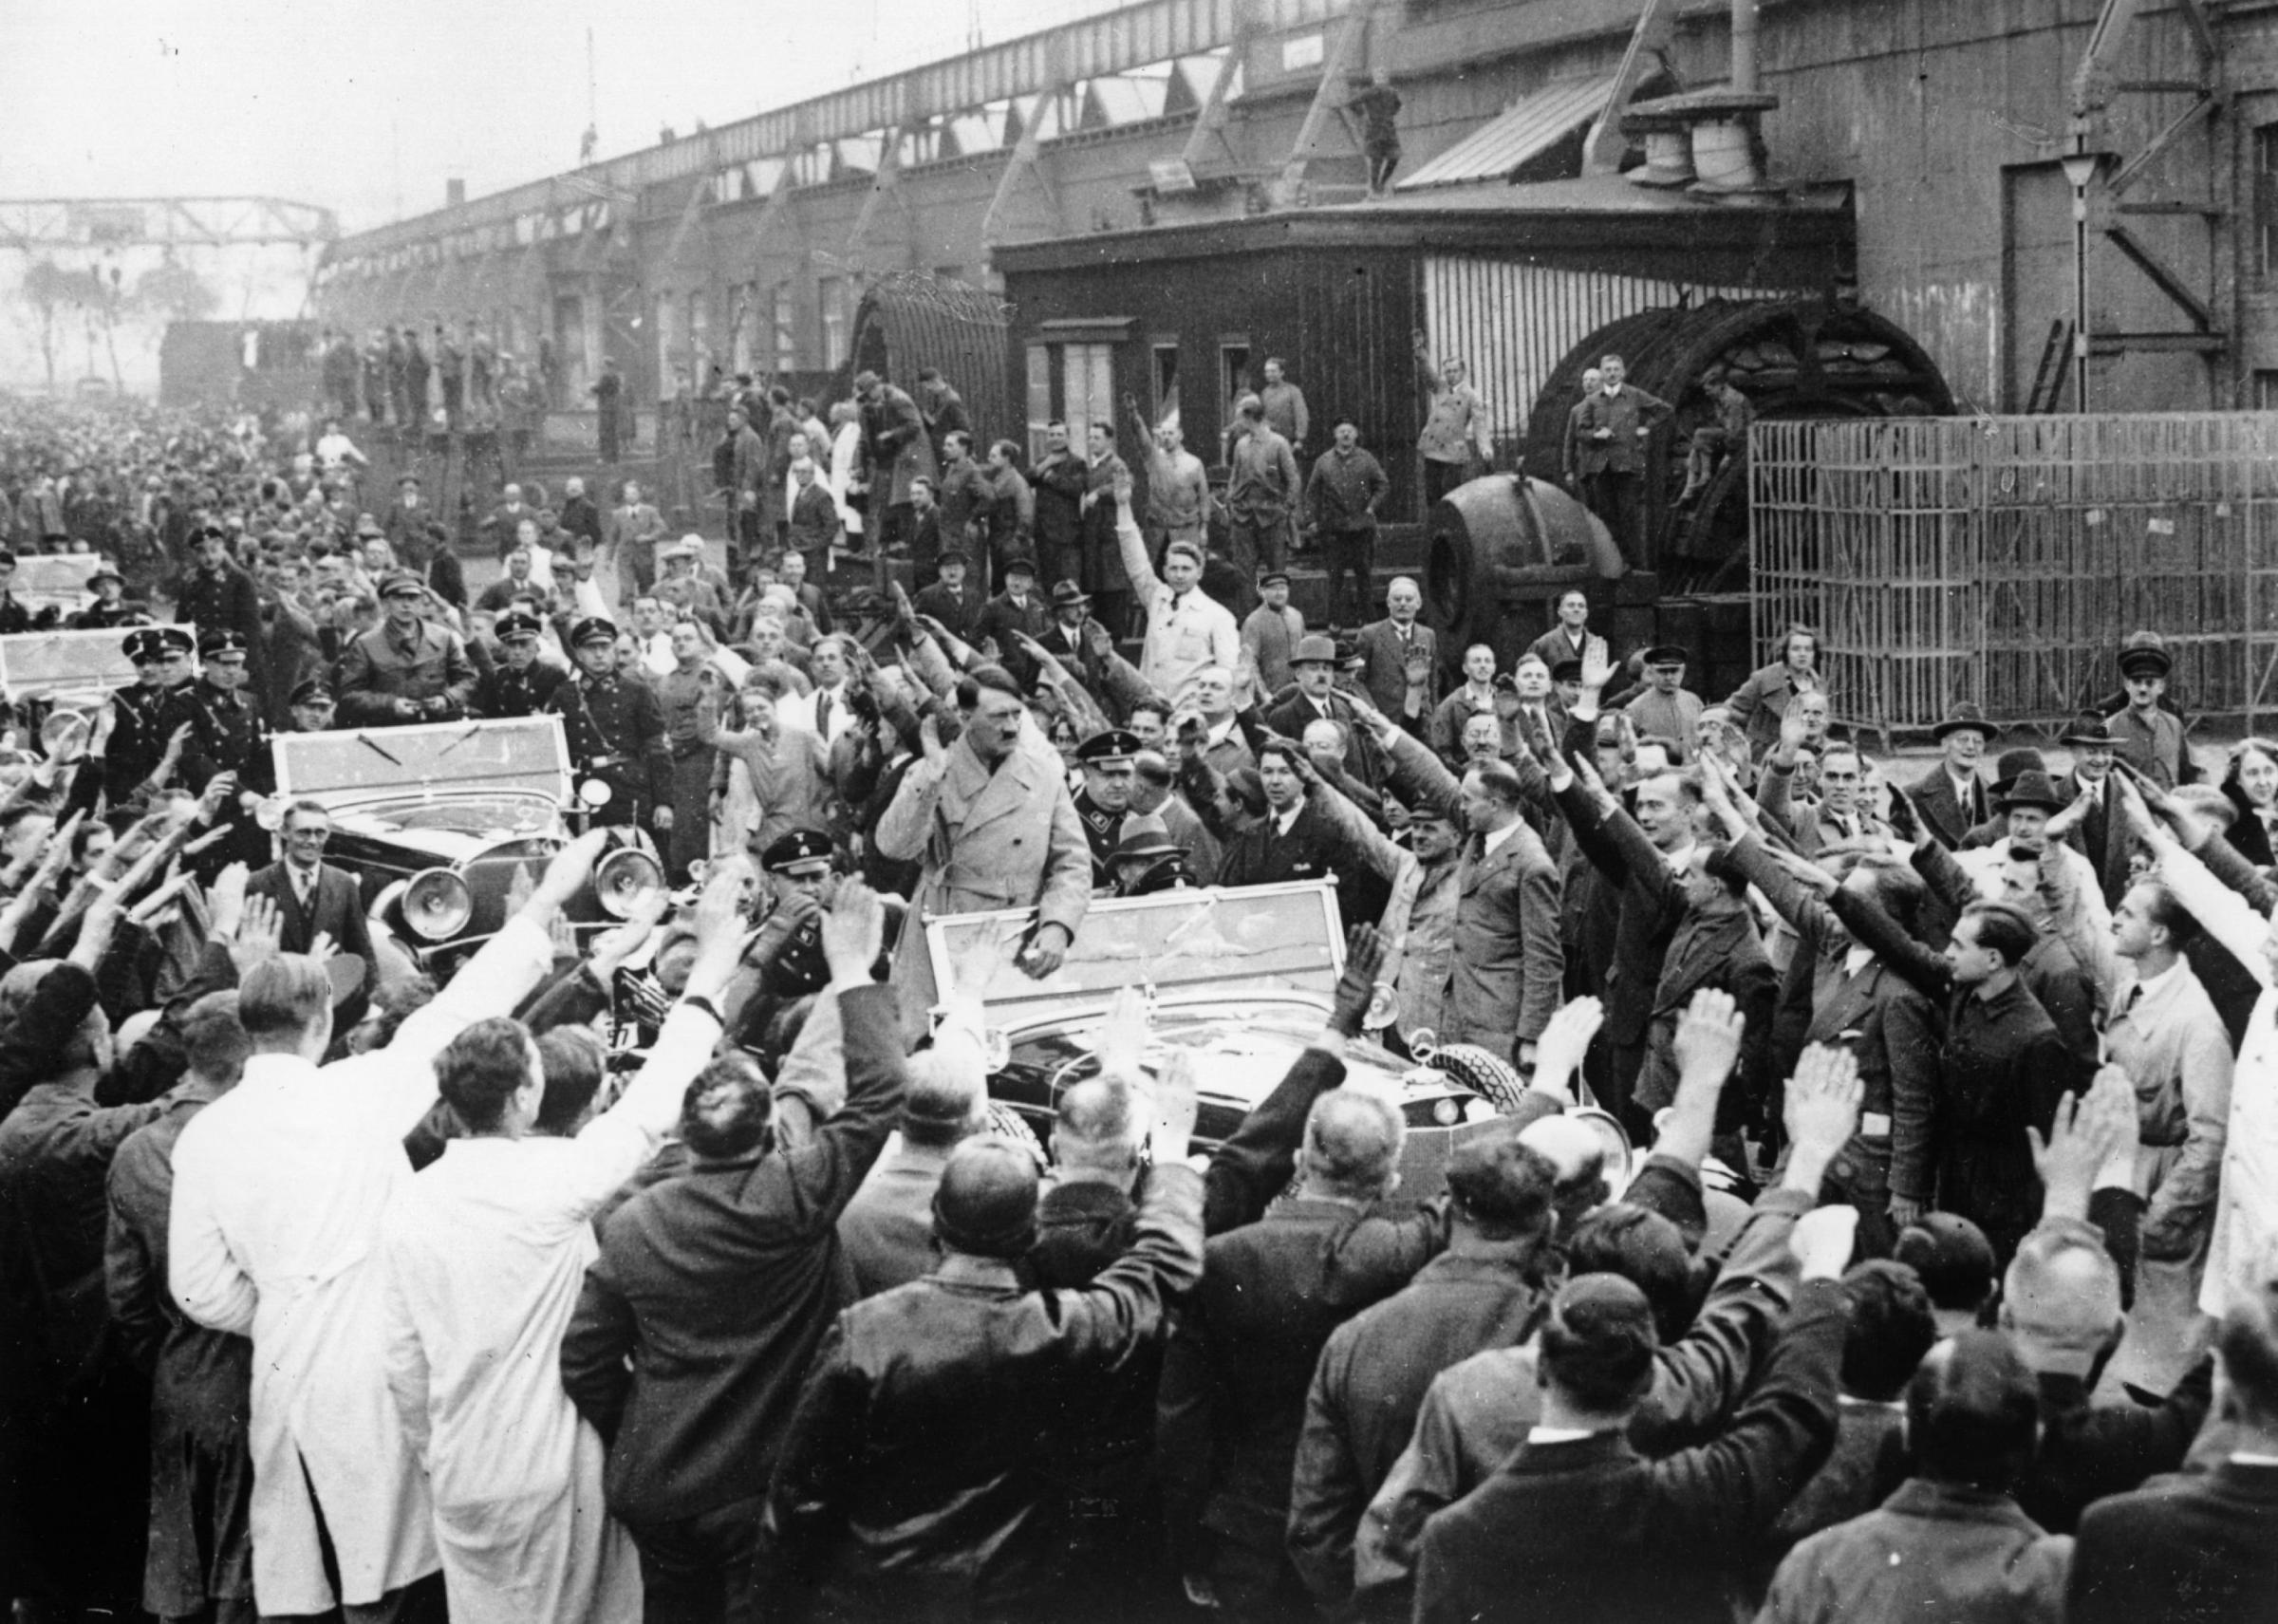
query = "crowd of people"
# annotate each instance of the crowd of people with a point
(685, 1269)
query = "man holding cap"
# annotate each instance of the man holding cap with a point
(1105, 797)
(406, 669)
(520, 684)
(616, 732)
(1187, 631)
(1664, 709)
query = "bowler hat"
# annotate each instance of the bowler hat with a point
(1315, 650)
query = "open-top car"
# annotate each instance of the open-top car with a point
(437, 821)
(1243, 978)
(74, 670)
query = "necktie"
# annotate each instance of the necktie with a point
(2127, 1005)
(822, 712)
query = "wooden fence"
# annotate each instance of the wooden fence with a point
(2002, 560)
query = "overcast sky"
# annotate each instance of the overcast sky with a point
(370, 108)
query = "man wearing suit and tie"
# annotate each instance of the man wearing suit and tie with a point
(1401, 660)
(1506, 970)
(1952, 799)
(313, 899)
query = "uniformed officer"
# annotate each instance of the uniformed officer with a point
(521, 684)
(2151, 735)
(800, 882)
(616, 730)
(131, 737)
(1105, 797)
(311, 704)
(405, 669)
(229, 736)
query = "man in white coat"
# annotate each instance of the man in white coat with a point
(275, 1224)
(483, 1255)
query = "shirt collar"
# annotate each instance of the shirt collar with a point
(1558, 1434)
(1284, 822)
(1492, 842)
(2147, 985)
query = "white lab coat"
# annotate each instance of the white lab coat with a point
(483, 1256)
(2245, 1243)
(846, 462)
(277, 1204)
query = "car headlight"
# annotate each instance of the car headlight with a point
(436, 904)
(1478, 1110)
(1447, 1112)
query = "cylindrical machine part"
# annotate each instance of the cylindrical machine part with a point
(1668, 159)
(1744, 45)
(1504, 540)
(1724, 155)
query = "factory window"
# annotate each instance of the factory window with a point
(1039, 398)
(1074, 383)
(698, 360)
(1164, 355)
(667, 340)
(741, 325)
(1087, 389)
(2266, 199)
(2266, 391)
(1233, 370)
(831, 293)
(787, 336)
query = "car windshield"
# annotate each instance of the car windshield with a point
(484, 757)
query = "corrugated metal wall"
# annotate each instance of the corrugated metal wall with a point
(1512, 323)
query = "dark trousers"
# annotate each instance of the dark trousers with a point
(1349, 553)
(1441, 478)
(698, 1569)
(1619, 500)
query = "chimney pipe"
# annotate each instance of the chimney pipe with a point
(1744, 47)
(455, 192)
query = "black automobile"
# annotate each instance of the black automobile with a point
(1243, 978)
(440, 822)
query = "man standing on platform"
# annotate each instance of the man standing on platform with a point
(1611, 458)
(1104, 575)
(1347, 488)
(1270, 636)
(1187, 630)
(1262, 488)
(1284, 404)
(1178, 487)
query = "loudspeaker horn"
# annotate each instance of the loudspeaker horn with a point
(64, 735)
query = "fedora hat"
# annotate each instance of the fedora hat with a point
(1963, 715)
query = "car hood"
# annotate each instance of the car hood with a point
(448, 826)
(1242, 1046)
